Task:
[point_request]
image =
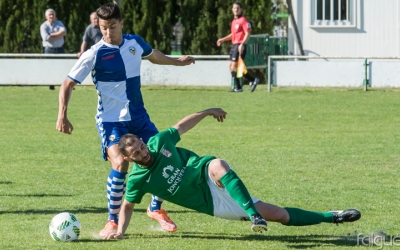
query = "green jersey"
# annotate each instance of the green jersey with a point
(177, 175)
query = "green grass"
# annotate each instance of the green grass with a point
(317, 149)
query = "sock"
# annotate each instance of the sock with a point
(238, 191)
(155, 203)
(299, 217)
(115, 191)
(249, 77)
(235, 81)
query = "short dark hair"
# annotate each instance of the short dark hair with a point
(109, 11)
(238, 3)
(127, 140)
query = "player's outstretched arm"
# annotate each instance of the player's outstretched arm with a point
(63, 124)
(159, 58)
(190, 121)
(125, 216)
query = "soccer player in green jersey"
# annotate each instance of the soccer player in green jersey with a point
(202, 183)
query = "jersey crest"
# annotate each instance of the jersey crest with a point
(132, 50)
(166, 153)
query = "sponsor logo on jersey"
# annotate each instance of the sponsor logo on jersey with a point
(132, 50)
(175, 179)
(166, 153)
(107, 57)
(168, 168)
(111, 138)
(249, 25)
(237, 26)
(173, 176)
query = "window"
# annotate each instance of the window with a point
(333, 13)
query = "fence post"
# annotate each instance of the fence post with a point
(269, 73)
(366, 82)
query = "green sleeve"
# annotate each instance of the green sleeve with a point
(134, 193)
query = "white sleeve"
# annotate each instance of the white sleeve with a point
(83, 66)
(43, 33)
(61, 26)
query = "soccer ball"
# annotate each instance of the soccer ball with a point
(65, 227)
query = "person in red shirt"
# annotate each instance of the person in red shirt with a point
(240, 34)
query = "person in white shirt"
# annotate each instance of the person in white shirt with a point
(52, 32)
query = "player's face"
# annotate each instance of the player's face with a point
(111, 30)
(236, 10)
(140, 154)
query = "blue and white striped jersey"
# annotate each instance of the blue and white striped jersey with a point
(116, 73)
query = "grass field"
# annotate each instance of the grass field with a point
(317, 149)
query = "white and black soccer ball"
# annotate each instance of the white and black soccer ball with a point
(65, 227)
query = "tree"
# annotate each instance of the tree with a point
(205, 21)
(152, 20)
(22, 20)
(18, 18)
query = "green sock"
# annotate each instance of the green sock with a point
(299, 217)
(238, 191)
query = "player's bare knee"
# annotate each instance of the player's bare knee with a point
(218, 168)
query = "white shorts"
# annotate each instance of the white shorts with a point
(224, 206)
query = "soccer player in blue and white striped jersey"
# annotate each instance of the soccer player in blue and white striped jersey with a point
(114, 64)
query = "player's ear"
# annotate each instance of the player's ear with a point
(122, 24)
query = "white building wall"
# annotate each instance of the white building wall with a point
(336, 73)
(376, 33)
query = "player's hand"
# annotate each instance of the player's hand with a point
(79, 54)
(64, 126)
(117, 236)
(219, 42)
(218, 114)
(187, 60)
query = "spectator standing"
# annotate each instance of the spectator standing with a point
(92, 34)
(240, 34)
(52, 32)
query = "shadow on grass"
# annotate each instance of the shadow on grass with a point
(299, 241)
(36, 195)
(84, 210)
(91, 240)
(6, 182)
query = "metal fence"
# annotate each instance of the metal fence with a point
(260, 47)
(390, 73)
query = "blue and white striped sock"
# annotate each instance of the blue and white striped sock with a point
(155, 203)
(115, 191)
